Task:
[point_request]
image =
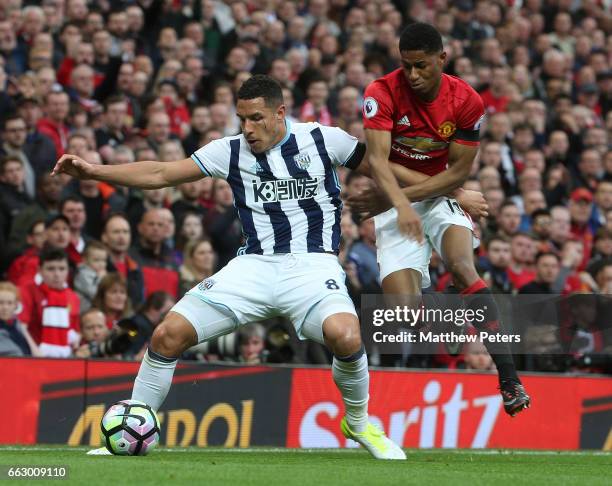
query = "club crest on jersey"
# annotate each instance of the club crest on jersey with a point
(206, 284)
(370, 107)
(302, 161)
(447, 129)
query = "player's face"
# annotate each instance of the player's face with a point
(423, 72)
(262, 126)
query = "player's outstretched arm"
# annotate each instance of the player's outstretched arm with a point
(378, 148)
(144, 174)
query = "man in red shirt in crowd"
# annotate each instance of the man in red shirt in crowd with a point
(429, 122)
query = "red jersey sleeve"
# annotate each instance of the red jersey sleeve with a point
(378, 107)
(27, 306)
(470, 116)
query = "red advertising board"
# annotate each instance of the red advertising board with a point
(22, 387)
(430, 409)
(61, 401)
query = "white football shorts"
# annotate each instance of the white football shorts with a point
(304, 288)
(397, 252)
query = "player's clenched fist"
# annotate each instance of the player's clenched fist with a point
(473, 202)
(73, 166)
(409, 223)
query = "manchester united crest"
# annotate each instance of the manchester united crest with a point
(447, 129)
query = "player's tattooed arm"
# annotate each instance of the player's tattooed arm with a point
(145, 174)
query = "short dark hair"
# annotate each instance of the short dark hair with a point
(34, 224)
(497, 237)
(52, 254)
(420, 36)
(542, 254)
(113, 100)
(507, 203)
(53, 218)
(9, 158)
(156, 300)
(262, 86)
(10, 118)
(539, 212)
(75, 198)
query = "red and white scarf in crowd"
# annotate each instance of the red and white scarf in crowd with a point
(308, 114)
(58, 332)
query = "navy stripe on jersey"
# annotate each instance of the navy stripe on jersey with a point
(312, 210)
(331, 185)
(200, 164)
(278, 218)
(234, 179)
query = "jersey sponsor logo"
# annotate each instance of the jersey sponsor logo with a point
(302, 161)
(285, 189)
(479, 122)
(421, 144)
(404, 121)
(447, 129)
(407, 153)
(370, 107)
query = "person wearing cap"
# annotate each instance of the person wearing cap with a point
(580, 207)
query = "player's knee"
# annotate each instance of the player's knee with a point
(343, 337)
(463, 272)
(170, 339)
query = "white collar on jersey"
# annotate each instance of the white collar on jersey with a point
(287, 134)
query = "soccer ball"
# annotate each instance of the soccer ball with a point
(130, 428)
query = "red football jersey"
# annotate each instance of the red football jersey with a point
(421, 132)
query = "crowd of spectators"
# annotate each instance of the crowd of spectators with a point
(115, 81)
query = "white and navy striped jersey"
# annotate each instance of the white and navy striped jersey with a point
(288, 198)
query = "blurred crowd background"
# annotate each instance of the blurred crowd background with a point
(90, 269)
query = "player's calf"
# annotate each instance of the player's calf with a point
(173, 336)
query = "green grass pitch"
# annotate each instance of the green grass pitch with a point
(319, 467)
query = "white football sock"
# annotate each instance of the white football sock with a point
(154, 379)
(353, 380)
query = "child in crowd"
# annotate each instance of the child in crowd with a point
(90, 272)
